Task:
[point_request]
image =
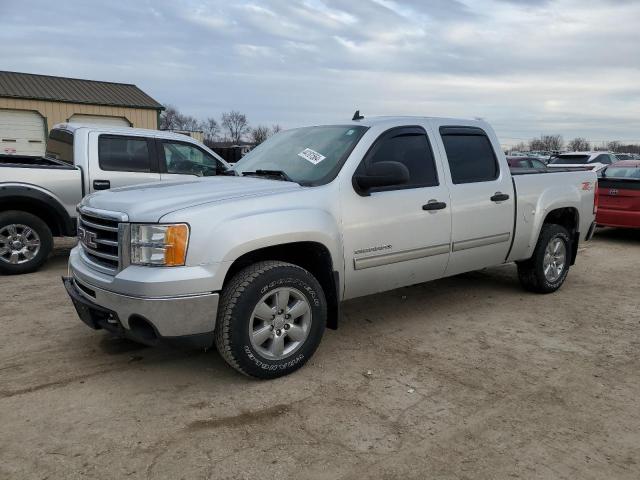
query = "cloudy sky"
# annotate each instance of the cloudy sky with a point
(528, 66)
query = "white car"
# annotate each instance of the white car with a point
(595, 161)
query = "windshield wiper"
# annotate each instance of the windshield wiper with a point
(270, 173)
(229, 173)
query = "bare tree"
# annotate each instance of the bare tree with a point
(630, 148)
(211, 128)
(275, 129)
(547, 143)
(236, 124)
(536, 144)
(189, 123)
(553, 142)
(259, 134)
(614, 146)
(518, 147)
(172, 119)
(168, 117)
(579, 144)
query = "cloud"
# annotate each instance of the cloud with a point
(534, 66)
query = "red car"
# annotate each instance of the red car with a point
(619, 195)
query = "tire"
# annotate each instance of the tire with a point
(532, 272)
(19, 233)
(278, 345)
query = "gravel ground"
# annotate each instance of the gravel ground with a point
(467, 377)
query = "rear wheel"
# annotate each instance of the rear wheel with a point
(25, 242)
(547, 269)
(271, 319)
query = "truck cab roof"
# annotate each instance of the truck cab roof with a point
(76, 127)
(395, 121)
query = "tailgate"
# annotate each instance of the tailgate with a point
(619, 194)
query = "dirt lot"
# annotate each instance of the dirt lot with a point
(467, 377)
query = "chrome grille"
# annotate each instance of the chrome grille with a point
(99, 236)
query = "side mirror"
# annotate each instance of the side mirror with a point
(381, 174)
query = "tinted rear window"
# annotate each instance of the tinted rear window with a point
(622, 172)
(570, 160)
(60, 146)
(123, 154)
(471, 157)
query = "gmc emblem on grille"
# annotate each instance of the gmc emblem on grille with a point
(613, 191)
(87, 237)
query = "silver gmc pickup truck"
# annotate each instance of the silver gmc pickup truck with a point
(257, 263)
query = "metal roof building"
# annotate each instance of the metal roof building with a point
(31, 104)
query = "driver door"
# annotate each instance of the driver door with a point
(178, 159)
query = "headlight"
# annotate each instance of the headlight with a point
(161, 245)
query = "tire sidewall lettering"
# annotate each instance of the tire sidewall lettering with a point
(249, 359)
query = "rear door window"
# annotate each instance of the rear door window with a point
(60, 146)
(470, 155)
(124, 154)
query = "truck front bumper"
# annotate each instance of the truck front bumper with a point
(187, 320)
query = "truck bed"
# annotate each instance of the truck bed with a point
(535, 192)
(20, 161)
(534, 171)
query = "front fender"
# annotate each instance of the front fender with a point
(234, 237)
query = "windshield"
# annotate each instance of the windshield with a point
(570, 160)
(309, 156)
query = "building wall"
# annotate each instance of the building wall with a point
(60, 112)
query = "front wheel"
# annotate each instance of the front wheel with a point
(547, 269)
(271, 319)
(25, 242)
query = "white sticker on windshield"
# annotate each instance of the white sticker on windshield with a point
(311, 156)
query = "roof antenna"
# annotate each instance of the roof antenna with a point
(357, 116)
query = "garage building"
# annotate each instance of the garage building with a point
(31, 104)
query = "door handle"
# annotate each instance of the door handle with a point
(434, 205)
(499, 197)
(101, 184)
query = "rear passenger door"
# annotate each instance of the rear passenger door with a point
(122, 160)
(482, 199)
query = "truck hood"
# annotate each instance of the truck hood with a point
(149, 202)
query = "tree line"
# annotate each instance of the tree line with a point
(550, 143)
(233, 126)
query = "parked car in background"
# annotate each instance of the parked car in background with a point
(258, 263)
(544, 156)
(624, 156)
(39, 195)
(595, 161)
(619, 195)
(525, 162)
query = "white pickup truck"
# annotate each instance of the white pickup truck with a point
(39, 195)
(258, 263)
